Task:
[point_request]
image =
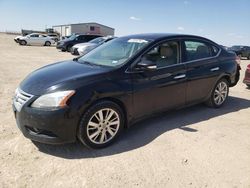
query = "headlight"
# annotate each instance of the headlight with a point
(57, 99)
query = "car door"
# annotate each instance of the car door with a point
(163, 87)
(41, 39)
(202, 66)
(33, 39)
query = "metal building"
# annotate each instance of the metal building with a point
(83, 28)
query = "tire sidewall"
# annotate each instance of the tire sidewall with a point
(212, 95)
(47, 43)
(82, 129)
(23, 42)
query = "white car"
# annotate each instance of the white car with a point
(36, 39)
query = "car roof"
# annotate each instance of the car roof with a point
(159, 36)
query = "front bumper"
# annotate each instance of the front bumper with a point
(74, 51)
(60, 47)
(52, 127)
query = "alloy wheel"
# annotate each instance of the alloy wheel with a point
(220, 93)
(103, 126)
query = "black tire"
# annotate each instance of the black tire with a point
(22, 42)
(83, 130)
(248, 57)
(68, 48)
(211, 101)
(47, 43)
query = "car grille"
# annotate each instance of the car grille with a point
(20, 99)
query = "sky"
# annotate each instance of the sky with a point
(223, 21)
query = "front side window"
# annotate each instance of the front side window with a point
(34, 35)
(115, 52)
(163, 55)
(196, 50)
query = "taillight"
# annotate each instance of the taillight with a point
(248, 67)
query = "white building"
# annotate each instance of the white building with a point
(84, 28)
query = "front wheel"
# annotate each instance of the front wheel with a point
(101, 124)
(219, 94)
(22, 42)
(47, 43)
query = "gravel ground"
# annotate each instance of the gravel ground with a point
(192, 147)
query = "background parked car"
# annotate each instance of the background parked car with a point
(36, 39)
(54, 36)
(66, 44)
(83, 48)
(241, 51)
(247, 76)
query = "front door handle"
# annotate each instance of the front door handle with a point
(180, 76)
(214, 69)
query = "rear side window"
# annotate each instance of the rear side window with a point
(195, 50)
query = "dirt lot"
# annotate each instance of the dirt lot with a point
(193, 147)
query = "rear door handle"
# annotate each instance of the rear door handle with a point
(214, 69)
(180, 76)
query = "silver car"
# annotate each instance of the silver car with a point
(83, 48)
(36, 39)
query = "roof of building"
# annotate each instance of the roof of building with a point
(83, 24)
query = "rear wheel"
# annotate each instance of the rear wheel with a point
(47, 43)
(101, 124)
(22, 42)
(219, 94)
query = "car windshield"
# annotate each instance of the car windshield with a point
(72, 37)
(97, 40)
(114, 53)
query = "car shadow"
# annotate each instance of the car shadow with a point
(146, 131)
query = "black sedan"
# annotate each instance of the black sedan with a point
(94, 97)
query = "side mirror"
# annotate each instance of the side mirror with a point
(146, 65)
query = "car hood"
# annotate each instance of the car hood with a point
(51, 77)
(85, 44)
(18, 37)
(22, 37)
